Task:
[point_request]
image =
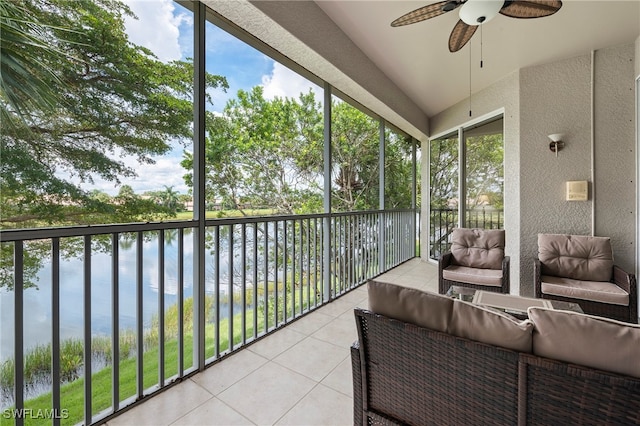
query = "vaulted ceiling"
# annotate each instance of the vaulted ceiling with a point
(417, 58)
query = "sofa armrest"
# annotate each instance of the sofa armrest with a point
(628, 283)
(537, 278)
(358, 407)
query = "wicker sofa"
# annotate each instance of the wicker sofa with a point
(423, 360)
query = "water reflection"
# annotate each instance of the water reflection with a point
(37, 301)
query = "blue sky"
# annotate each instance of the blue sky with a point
(166, 28)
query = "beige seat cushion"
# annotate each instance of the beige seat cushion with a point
(597, 291)
(587, 340)
(579, 257)
(473, 275)
(490, 326)
(425, 309)
(478, 248)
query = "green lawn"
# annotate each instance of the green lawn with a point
(72, 394)
(226, 213)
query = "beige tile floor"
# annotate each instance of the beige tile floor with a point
(300, 375)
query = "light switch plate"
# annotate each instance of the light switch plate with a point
(577, 190)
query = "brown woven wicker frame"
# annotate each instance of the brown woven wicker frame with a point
(621, 278)
(557, 393)
(443, 285)
(405, 374)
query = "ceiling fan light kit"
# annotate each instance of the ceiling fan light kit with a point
(476, 12)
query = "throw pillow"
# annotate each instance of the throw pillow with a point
(490, 326)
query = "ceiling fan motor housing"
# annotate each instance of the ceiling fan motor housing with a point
(476, 12)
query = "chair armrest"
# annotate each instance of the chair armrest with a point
(623, 279)
(445, 260)
(628, 283)
(506, 274)
(537, 278)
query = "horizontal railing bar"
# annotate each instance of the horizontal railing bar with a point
(9, 235)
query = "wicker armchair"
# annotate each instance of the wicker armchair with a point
(580, 269)
(476, 260)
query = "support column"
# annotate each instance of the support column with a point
(382, 230)
(199, 203)
(326, 243)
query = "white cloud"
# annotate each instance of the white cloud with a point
(285, 83)
(166, 171)
(156, 27)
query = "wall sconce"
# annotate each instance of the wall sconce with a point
(556, 143)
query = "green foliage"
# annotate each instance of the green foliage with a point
(263, 153)
(443, 171)
(269, 153)
(484, 171)
(95, 112)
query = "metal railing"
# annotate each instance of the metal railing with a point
(443, 221)
(260, 274)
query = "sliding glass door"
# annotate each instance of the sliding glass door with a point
(466, 182)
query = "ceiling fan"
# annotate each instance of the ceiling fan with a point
(476, 12)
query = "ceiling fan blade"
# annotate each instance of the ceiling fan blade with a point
(460, 35)
(527, 9)
(426, 12)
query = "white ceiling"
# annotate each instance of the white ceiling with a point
(416, 57)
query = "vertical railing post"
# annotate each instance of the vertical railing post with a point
(115, 321)
(230, 243)
(87, 331)
(55, 329)
(180, 302)
(18, 330)
(161, 354)
(139, 314)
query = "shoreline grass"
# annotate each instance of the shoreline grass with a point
(72, 393)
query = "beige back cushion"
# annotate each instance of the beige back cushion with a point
(576, 256)
(427, 310)
(478, 248)
(593, 341)
(490, 326)
(442, 313)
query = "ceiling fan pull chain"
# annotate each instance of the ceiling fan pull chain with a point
(481, 45)
(469, 79)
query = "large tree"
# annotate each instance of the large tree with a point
(105, 99)
(265, 153)
(269, 153)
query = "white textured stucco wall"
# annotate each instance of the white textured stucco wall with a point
(554, 98)
(597, 120)
(557, 98)
(615, 151)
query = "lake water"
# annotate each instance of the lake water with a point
(37, 301)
